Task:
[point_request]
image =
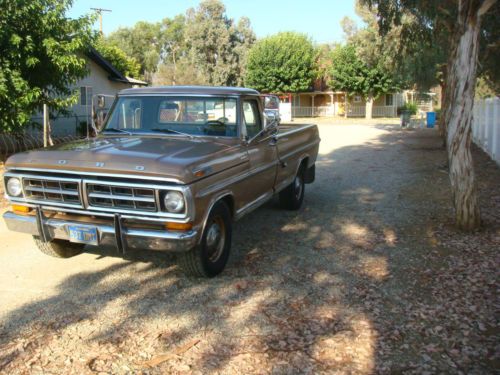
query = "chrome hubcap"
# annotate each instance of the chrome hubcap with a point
(215, 239)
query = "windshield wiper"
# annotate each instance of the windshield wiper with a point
(167, 130)
(116, 130)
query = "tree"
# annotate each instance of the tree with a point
(243, 39)
(282, 63)
(204, 47)
(463, 20)
(414, 60)
(128, 66)
(140, 42)
(42, 55)
(350, 74)
(490, 53)
(215, 45)
(182, 72)
(173, 52)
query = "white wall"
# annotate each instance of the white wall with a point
(100, 83)
(486, 126)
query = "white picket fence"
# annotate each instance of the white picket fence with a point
(486, 126)
(323, 111)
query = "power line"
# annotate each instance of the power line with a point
(99, 11)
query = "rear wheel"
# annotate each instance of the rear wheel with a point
(209, 258)
(292, 196)
(58, 248)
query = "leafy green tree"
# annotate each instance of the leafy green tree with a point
(42, 54)
(351, 74)
(413, 61)
(140, 42)
(173, 50)
(215, 45)
(204, 47)
(489, 53)
(243, 38)
(128, 66)
(282, 63)
(182, 72)
(463, 21)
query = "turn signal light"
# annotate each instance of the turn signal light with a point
(17, 208)
(178, 226)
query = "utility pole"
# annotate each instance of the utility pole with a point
(99, 12)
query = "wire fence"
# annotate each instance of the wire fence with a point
(10, 143)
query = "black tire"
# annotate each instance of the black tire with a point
(209, 258)
(292, 196)
(59, 248)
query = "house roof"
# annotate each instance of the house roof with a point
(200, 90)
(114, 74)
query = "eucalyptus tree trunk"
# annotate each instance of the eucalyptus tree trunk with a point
(460, 90)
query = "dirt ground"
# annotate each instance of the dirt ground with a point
(368, 277)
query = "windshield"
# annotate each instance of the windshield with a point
(173, 115)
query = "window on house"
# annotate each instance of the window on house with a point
(389, 100)
(85, 95)
(357, 98)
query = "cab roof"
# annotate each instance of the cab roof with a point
(195, 90)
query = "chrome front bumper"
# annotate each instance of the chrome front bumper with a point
(115, 235)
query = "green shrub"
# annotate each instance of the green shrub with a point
(412, 107)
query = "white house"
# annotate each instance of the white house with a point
(103, 79)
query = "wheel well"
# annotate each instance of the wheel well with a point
(303, 164)
(229, 200)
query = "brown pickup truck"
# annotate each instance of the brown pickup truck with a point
(170, 170)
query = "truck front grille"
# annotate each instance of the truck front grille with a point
(52, 190)
(94, 194)
(122, 197)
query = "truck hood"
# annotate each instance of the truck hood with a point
(165, 157)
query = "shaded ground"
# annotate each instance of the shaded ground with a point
(369, 277)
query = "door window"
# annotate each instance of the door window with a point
(251, 116)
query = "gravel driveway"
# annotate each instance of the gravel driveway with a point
(368, 277)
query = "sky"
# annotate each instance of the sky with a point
(320, 19)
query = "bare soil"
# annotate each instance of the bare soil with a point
(370, 276)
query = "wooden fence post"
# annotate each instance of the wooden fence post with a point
(45, 125)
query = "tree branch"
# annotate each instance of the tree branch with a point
(485, 7)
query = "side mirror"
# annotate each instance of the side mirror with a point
(101, 101)
(271, 120)
(270, 117)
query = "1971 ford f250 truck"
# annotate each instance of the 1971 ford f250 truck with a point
(170, 170)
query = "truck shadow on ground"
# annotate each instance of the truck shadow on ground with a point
(329, 287)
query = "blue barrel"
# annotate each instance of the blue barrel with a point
(431, 119)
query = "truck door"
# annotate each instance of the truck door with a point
(262, 153)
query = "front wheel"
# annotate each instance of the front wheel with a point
(292, 196)
(58, 248)
(209, 258)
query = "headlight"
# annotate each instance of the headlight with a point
(174, 201)
(14, 187)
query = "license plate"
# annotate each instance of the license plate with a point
(80, 234)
